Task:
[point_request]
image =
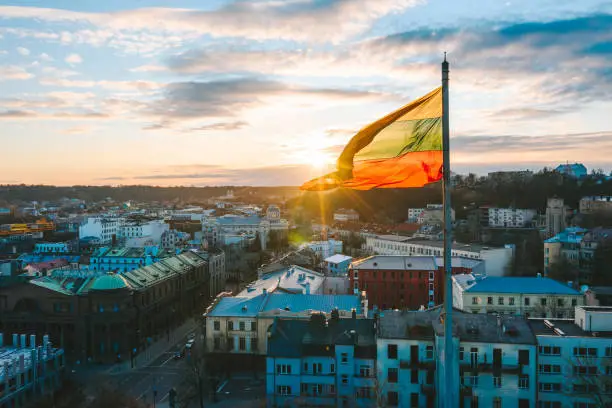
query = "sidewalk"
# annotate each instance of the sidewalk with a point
(155, 349)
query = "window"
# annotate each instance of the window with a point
(497, 382)
(414, 400)
(283, 390)
(574, 302)
(608, 351)
(344, 379)
(414, 376)
(230, 343)
(242, 343)
(527, 301)
(549, 404)
(429, 352)
(474, 300)
(584, 351)
(392, 375)
(585, 388)
(550, 387)
(317, 368)
(332, 368)
(474, 402)
(393, 398)
(344, 358)
(585, 370)
(523, 357)
(461, 353)
(392, 351)
(283, 369)
(523, 403)
(560, 302)
(489, 300)
(500, 301)
(254, 344)
(497, 402)
(230, 325)
(543, 301)
(217, 343)
(523, 381)
(364, 392)
(549, 369)
(364, 371)
(550, 350)
(253, 326)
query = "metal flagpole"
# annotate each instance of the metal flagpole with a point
(450, 399)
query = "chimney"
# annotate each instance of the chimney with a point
(23, 341)
(570, 284)
(45, 340)
(1, 339)
(539, 275)
(354, 314)
(15, 340)
(307, 288)
(32, 340)
(265, 291)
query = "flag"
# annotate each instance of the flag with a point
(402, 149)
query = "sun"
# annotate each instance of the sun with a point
(318, 160)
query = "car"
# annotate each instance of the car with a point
(178, 354)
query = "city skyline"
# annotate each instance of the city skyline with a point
(267, 93)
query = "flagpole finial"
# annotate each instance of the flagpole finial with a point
(444, 56)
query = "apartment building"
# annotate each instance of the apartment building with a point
(565, 245)
(321, 362)
(520, 296)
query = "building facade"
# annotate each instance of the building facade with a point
(556, 216)
(509, 217)
(519, 296)
(593, 204)
(565, 246)
(122, 259)
(496, 259)
(400, 282)
(105, 229)
(346, 215)
(575, 170)
(338, 265)
(52, 247)
(321, 362)
(494, 360)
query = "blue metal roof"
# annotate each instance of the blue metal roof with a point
(254, 220)
(323, 303)
(110, 282)
(526, 285)
(571, 235)
(238, 306)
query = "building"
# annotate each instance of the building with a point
(592, 204)
(102, 316)
(105, 229)
(575, 359)
(325, 249)
(338, 264)
(496, 259)
(556, 216)
(122, 259)
(431, 214)
(599, 296)
(52, 247)
(138, 233)
(565, 246)
(509, 217)
(29, 371)
(503, 177)
(402, 281)
(321, 362)
(173, 239)
(217, 271)
(346, 215)
(494, 360)
(575, 170)
(519, 296)
(215, 228)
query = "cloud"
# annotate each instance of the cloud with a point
(73, 59)
(141, 86)
(149, 68)
(526, 113)
(28, 114)
(228, 98)
(77, 130)
(45, 57)
(305, 20)
(8, 72)
(239, 124)
(23, 51)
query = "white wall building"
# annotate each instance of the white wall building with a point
(496, 259)
(102, 228)
(52, 247)
(520, 296)
(138, 230)
(325, 249)
(510, 217)
(346, 215)
(575, 359)
(215, 228)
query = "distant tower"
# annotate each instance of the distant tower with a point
(556, 214)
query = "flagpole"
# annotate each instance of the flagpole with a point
(450, 397)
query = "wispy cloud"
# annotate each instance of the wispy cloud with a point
(239, 124)
(23, 51)
(8, 72)
(73, 59)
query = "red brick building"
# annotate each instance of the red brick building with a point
(406, 282)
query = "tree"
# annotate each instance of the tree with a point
(563, 271)
(601, 265)
(590, 378)
(201, 379)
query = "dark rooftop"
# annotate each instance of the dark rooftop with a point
(484, 328)
(541, 327)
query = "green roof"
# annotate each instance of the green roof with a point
(110, 282)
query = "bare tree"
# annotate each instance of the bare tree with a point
(590, 377)
(200, 380)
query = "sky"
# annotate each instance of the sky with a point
(266, 92)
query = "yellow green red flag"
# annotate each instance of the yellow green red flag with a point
(402, 149)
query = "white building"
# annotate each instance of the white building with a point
(496, 259)
(172, 239)
(520, 296)
(215, 228)
(556, 216)
(432, 214)
(510, 217)
(346, 215)
(575, 359)
(325, 249)
(593, 204)
(105, 229)
(141, 233)
(321, 362)
(494, 360)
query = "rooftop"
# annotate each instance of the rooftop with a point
(338, 258)
(513, 284)
(482, 328)
(410, 262)
(294, 279)
(571, 235)
(568, 328)
(438, 244)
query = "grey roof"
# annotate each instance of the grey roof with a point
(397, 262)
(295, 338)
(567, 326)
(482, 328)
